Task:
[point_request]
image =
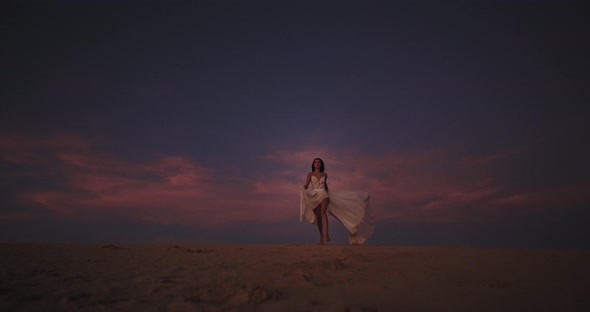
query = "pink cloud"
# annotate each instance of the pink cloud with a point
(557, 196)
(431, 185)
(13, 215)
(513, 199)
(170, 189)
(428, 185)
(460, 197)
(493, 156)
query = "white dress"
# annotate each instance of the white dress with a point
(350, 208)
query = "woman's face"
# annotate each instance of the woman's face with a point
(317, 163)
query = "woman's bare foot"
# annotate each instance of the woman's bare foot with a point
(321, 240)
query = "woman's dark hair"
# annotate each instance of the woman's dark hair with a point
(321, 162)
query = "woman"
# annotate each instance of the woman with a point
(350, 208)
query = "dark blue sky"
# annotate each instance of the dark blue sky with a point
(460, 118)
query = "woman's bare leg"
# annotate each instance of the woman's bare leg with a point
(318, 218)
(324, 207)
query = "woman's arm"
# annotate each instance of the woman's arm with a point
(326, 181)
(307, 181)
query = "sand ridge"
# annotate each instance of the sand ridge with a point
(226, 277)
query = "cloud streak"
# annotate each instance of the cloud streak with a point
(86, 182)
(93, 184)
(439, 184)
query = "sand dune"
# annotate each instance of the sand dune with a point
(168, 277)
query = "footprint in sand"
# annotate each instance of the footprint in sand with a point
(497, 284)
(318, 272)
(231, 293)
(113, 247)
(164, 282)
(298, 275)
(196, 250)
(361, 258)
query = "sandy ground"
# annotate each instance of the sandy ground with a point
(168, 277)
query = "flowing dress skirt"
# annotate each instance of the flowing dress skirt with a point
(352, 209)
